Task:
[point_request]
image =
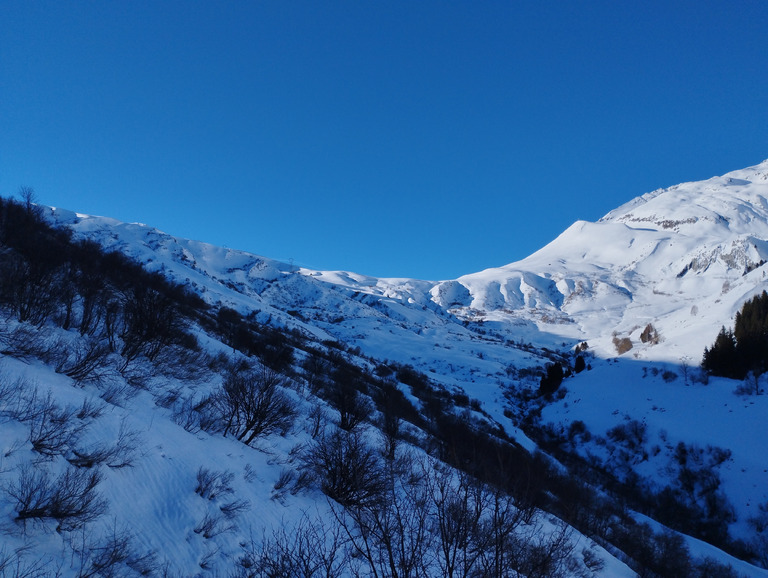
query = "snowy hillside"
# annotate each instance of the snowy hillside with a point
(645, 432)
(682, 258)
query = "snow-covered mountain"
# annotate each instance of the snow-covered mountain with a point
(681, 260)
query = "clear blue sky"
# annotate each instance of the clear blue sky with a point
(420, 139)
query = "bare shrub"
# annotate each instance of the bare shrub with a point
(311, 549)
(183, 363)
(53, 430)
(114, 555)
(30, 287)
(286, 477)
(315, 370)
(316, 422)
(668, 376)
(195, 414)
(253, 404)
(150, 322)
(120, 454)
(392, 536)
(631, 434)
(22, 341)
(16, 564)
(353, 407)
(116, 392)
(212, 484)
(622, 344)
(11, 395)
(135, 374)
(457, 514)
(497, 537)
(650, 335)
(90, 409)
(86, 360)
(592, 561)
(234, 508)
(213, 524)
(347, 470)
(71, 499)
(710, 568)
(168, 397)
(208, 557)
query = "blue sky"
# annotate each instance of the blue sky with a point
(419, 139)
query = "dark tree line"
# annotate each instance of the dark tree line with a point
(48, 277)
(744, 349)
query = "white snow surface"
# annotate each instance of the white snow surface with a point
(683, 258)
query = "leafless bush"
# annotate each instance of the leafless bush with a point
(234, 508)
(16, 564)
(622, 344)
(206, 561)
(544, 554)
(30, 287)
(182, 363)
(150, 322)
(390, 429)
(353, 407)
(311, 549)
(196, 414)
(708, 567)
(10, 396)
(116, 392)
(213, 524)
(316, 422)
(668, 376)
(169, 397)
(631, 434)
(253, 404)
(114, 555)
(497, 538)
(457, 507)
(120, 454)
(53, 430)
(21, 400)
(390, 536)
(23, 341)
(71, 499)
(212, 484)
(286, 477)
(592, 561)
(90, 409)
(650, 335)
(86, 360)
(347, 470)
(249, 474)
(315, 370)
(136, 374)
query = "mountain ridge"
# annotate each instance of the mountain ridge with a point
(682, 271)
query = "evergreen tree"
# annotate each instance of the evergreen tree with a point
(744, 349)
(552, 380)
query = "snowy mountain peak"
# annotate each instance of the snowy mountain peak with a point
(736, 201)
(696, 246)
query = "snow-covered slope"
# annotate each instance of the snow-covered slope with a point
(683, 259)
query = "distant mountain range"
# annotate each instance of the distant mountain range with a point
(683, 258)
